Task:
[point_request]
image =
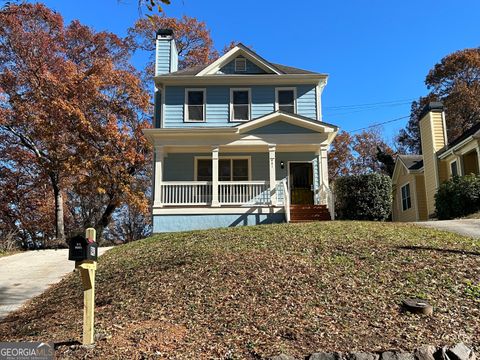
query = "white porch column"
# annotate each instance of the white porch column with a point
(158, 176)
(273, 175)
(215, 202)
(460, 169)
(322, 173)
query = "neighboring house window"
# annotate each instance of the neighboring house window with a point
(454, 168)
(240, 104)
(240, 65)
(228, 169)
(406, 200)
(195, 105)
(286, 100)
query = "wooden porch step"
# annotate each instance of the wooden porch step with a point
(307, 213)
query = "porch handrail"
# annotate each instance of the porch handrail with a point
(286, 200)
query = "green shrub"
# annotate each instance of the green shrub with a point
(457, 197)
(363, 197)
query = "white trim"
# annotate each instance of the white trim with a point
(185, 107)
(294, 89)
(288, 177)
(240, 49)
(244, 61)
(456, 147)
(317, 103)
(234, 157)
(230, 117)
(200, 210)
(162, 106)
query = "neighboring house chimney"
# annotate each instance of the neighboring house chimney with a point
(433, 135)
(166, 57)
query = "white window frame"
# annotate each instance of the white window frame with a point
(242, 59)
(185, 106)
(450, 168)
(277, 105)
(401, 196)
(249, 104)
(248, 158)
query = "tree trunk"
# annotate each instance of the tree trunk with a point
(106, 218)
(59, 221)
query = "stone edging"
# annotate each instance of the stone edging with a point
(458, 352)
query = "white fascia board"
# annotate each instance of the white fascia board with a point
(291, 119)
(456, 147)
(242, 79)
(231, 54)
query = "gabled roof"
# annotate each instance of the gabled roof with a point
(412, 162)
(244, 51)
(240, 49)
(293, 119)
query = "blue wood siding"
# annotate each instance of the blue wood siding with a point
(163, 56)
(180, 166)
(307, 101)
(263, 100)
(280, 127)
(251, 68)
(218, 104)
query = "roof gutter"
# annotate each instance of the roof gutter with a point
(449, 151)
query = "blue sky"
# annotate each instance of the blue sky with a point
(375, 51)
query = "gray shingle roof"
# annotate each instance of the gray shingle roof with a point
(412, 162)
(194, 70)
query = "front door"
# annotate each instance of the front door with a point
(301, 182)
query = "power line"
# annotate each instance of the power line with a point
(353, 111)
(369, 104)
(381, 123)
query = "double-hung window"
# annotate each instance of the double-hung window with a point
(406, 200)
(240, 104)
(286, 100)
(236, 169)
(195, 105)
(240, 64)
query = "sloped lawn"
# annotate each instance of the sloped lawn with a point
(259, 291)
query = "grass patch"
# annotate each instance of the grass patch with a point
(254, 292)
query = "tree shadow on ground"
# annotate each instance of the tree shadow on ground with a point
(430, 248)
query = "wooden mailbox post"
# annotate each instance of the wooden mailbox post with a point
(84, 251)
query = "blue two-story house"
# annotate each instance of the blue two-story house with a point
(239, 141)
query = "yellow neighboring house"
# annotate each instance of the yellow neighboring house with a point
(416, 178)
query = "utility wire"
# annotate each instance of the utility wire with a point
(369, 104)
(381, 123)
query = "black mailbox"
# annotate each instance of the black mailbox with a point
(80, 249)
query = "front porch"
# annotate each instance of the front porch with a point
(205, 178)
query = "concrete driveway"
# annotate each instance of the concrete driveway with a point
(466, 227)
(28, 274)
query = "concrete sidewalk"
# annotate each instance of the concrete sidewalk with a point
(466, 227)
(28, 274)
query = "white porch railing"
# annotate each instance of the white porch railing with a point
(243, 192)
(186, 192)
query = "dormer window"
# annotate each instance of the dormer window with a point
(286, 100)
(240, 64)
